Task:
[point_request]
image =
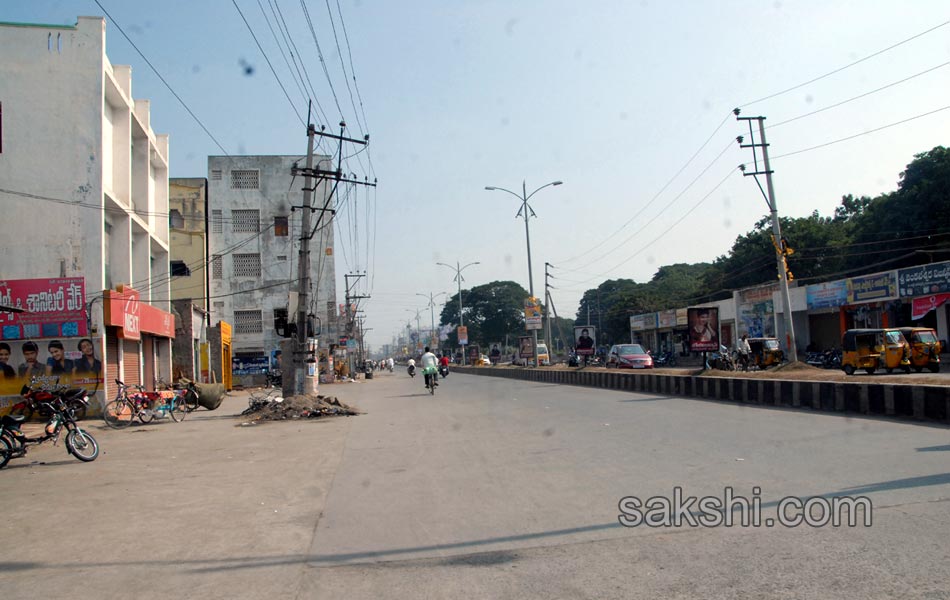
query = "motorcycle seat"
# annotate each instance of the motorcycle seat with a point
(13, 419)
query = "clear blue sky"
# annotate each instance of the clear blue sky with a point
(611, 97)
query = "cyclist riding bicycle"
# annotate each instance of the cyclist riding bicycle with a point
(429, 367)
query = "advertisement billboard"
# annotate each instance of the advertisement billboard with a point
(53, 308)
(585, 340)
(526, 346)
(463, 335)
(703, 329)
(532, 313)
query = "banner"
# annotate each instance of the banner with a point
(924, 280)
(643, 322)
(532, 313)
(922, 306)
(75, 362)
(463, 335)
(703, 329)
(585, 340)
(526, 346)
(872, 287)
(54, 308)
(826, 295)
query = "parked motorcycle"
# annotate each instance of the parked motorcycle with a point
(42, 388)
(721, 360)
(14, 443)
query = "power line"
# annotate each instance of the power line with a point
(848, 66)
(267, 59)
(851, 137)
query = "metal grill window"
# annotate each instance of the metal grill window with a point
(248, 321)
(217, 270)
(246, 221)
(245, 179)
(216, 222)
(247, 265)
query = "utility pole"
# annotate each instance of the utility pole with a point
(305, 372)
(547, 312)
(349, 312)
(781, 250)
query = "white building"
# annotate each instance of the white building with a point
(86, 195)
(255, 217)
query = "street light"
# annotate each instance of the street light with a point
(525, 209)
(431, 297)
(458, 277)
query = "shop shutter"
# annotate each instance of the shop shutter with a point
(131, 362)
(112, 358)
(148, 353)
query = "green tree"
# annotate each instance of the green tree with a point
(491, 311)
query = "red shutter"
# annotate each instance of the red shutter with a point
(130, 361)
(112, 357)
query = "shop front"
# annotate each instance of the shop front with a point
(923, 293)
(643, 330)
(138, 339)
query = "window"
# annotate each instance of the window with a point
(215, 174)
(281, 258)
(219, 308)
(217, 270)
(280, 226)
(216, 222)
(245, 179)
(175, 220)
(248, 321)
(180, 269)
(247, 265)
(246, 221)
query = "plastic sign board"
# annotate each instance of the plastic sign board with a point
(463, 335)
(532, 313)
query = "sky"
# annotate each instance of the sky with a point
(627, 102)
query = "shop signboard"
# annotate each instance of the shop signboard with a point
(666, 319)
(643, 322)
(826, 295)
(52, 308)
(924, 280)
(871, 288)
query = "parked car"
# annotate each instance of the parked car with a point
(483, 361)
(629, 356)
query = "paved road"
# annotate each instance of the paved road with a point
(493, 488)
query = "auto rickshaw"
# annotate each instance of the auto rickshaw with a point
(873, 349)
(924, 348)
(766, 352)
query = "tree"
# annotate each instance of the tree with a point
(491, 311)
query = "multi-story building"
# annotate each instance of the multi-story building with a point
(85, 208)
(188, 252)
(255, 218)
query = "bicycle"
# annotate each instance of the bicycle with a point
(186, 389)
(432, 376)
(140, 405)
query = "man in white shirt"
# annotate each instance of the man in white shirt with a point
(430, 366)
(744, 350)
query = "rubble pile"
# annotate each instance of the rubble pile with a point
(299, 407)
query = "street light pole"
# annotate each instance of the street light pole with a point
(458, 277)
(526, 209)
(431, 298)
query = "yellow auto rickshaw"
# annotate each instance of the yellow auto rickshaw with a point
(766, 352)
(873, 349)
(924, 348)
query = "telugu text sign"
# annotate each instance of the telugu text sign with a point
(54, 307)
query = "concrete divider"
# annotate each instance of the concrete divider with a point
(920, 402)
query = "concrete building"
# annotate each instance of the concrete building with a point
(255, 220)
(188, 252)
(87, 199)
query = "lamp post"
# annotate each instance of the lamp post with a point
(458, 277)
(525, 209)
(431, 297)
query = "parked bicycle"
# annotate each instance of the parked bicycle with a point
(14, 443)
(141, 405)
(186, 388)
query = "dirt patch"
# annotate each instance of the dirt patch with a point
(298, 407)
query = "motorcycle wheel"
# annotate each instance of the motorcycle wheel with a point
(82, 445)
(6, 452)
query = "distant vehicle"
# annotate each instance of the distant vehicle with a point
(483, 361)
(629, 356)
(544, 359)
(873, 349)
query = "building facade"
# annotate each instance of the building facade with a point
(75, 144)
(255, 229)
